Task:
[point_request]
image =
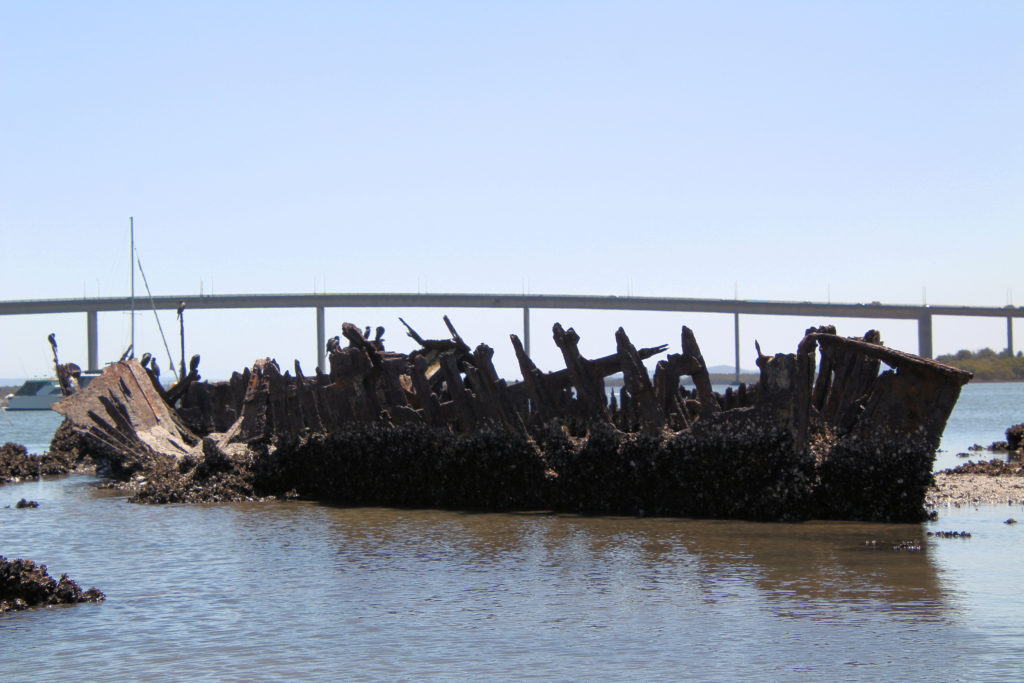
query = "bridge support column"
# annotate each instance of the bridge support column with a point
(526, 330)
(92, 335)
(736, 328)
(924, 336)
(1009, 335)
(321, 340)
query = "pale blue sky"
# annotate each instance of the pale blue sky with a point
(782, 150)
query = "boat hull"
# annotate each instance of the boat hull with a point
(35, 394)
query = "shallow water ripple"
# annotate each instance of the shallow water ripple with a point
(309, 592)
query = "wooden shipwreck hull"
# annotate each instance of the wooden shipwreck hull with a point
(824, 433)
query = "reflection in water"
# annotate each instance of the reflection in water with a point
(304, 591)
(793, 566)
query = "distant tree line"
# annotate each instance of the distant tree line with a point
(987, 364)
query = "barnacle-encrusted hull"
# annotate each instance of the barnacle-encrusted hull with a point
(438, 428)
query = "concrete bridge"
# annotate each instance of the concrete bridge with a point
(319, 302)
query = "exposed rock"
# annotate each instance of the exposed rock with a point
(1015, 438)
(16, 463)
(950, 534)
(24, 584)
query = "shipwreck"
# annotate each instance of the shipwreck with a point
(843, 428)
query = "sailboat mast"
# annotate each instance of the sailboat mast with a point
(131, 260)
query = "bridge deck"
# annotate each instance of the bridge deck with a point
(923, 314)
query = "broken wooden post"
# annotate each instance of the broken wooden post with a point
(462, 348)
(460, 396)
(708, 402)
(429, 404)
(802, 392)
(652, 419)
(306, 396)
(351, 368)
(536, 383)
(823, 382)
(853, 376)
(589, 387)
(495, 390)
(666, 385)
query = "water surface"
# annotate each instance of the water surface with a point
(302, 591)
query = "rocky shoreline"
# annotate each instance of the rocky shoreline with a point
(987, 482)
(954, 490)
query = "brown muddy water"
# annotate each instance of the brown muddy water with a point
(301, 591)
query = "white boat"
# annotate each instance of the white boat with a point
(35, 394)
(41, 393)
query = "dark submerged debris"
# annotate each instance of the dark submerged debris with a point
(904, 546)
(439, 428)
(907, 546)
(950, 534)
(25, 584)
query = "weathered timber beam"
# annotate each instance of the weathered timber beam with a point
(589, 387)
(429, 404)
(893, 358)
(823, 382)
(603, 367)
(390, 381)
(461, 346)
(495, 390)
(854, 375)
(460, 396)
(635, 377)
(438, 346)
(537, 385)
(307, 402)
(701, 379)
(803, 391)
(666, 384)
